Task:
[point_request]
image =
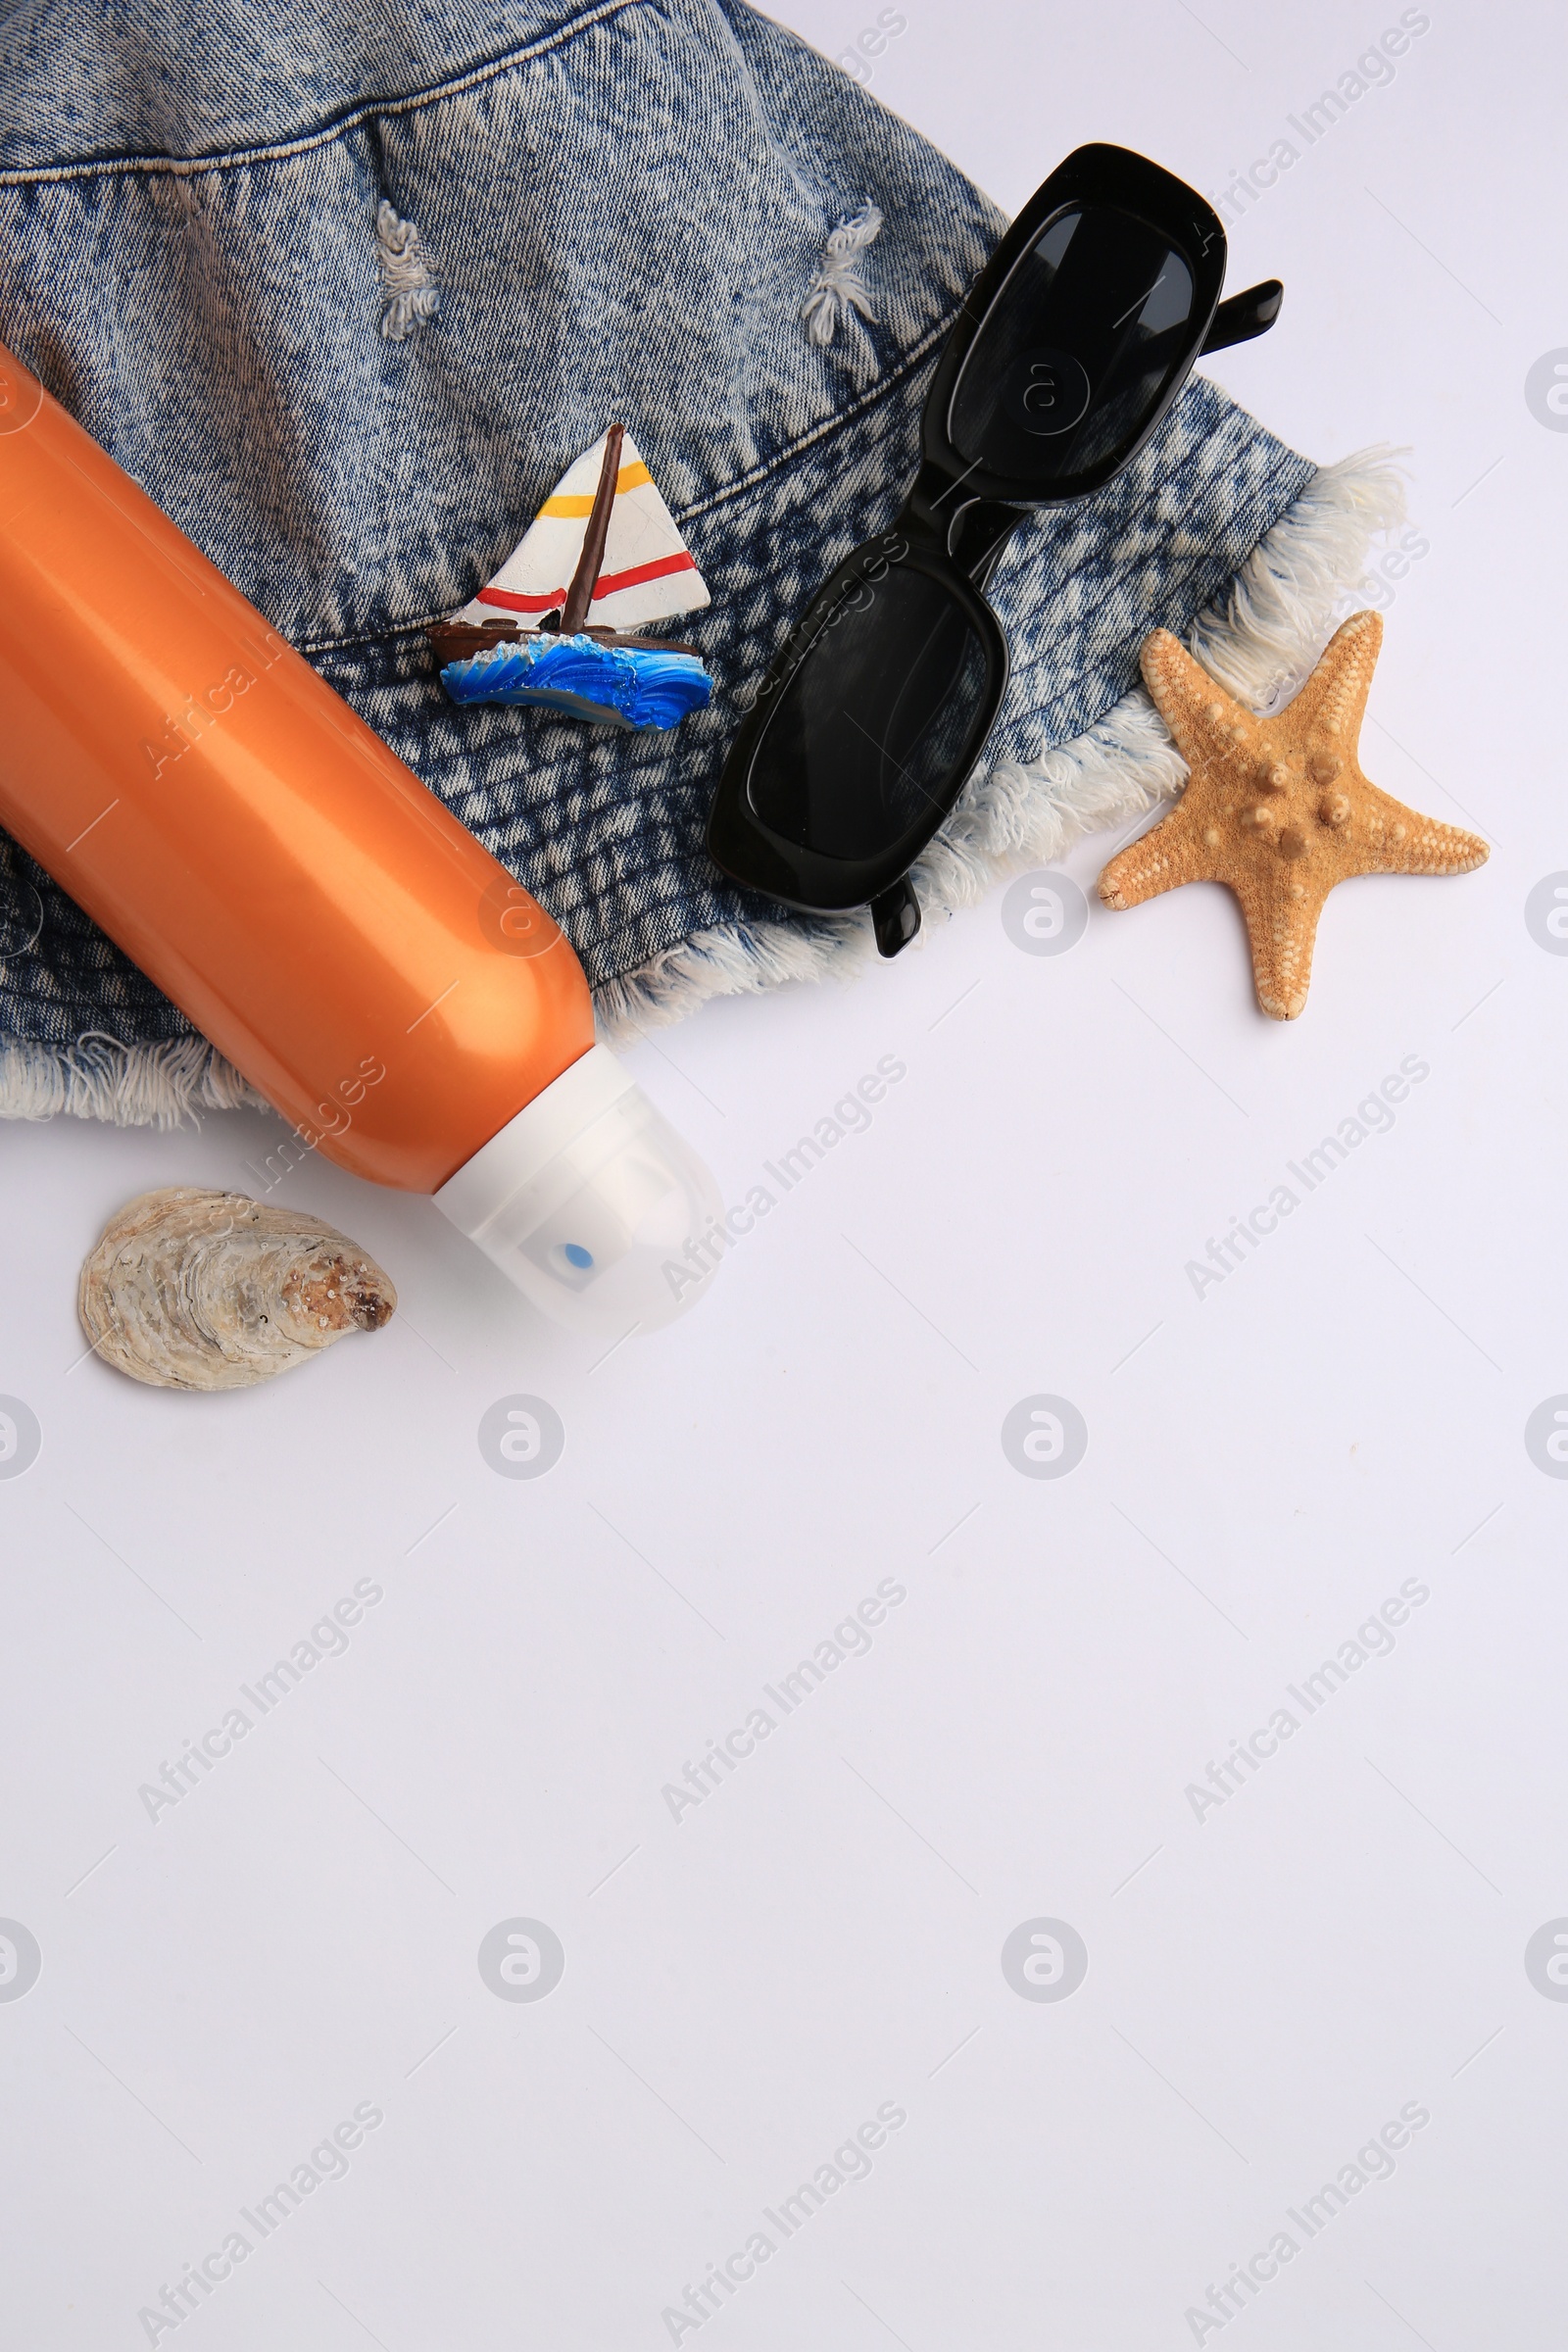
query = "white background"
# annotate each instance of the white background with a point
(1267, 1986)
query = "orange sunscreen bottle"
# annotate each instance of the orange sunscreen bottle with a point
(317, 914)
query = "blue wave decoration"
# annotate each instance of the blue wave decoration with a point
(608, 685)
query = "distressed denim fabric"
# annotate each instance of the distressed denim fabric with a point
(622, 210)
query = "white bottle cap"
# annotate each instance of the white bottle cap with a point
(591, 1203)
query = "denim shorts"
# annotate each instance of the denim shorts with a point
(347, 289)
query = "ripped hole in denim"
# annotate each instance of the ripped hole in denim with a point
(837, 287)
(409, 295)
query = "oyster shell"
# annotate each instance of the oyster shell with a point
(188, 1289)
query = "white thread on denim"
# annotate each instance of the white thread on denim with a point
(169, 1085)
(409, 294)
(837, 288)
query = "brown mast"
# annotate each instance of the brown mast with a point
(580, 596)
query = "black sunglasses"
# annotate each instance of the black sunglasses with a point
(1072, 344)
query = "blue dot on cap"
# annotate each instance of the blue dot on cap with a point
(576, 1255)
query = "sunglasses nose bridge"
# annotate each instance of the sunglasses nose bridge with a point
(936, 505)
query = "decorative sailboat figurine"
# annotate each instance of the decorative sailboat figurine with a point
(608, 535)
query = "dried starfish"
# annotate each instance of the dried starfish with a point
(1278, 808)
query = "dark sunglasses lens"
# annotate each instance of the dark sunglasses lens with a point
(1076, 350)
(878, 725)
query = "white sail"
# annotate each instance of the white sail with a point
(647, 572)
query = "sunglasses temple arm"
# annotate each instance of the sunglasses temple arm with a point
(1245, 315)
(895, 916)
